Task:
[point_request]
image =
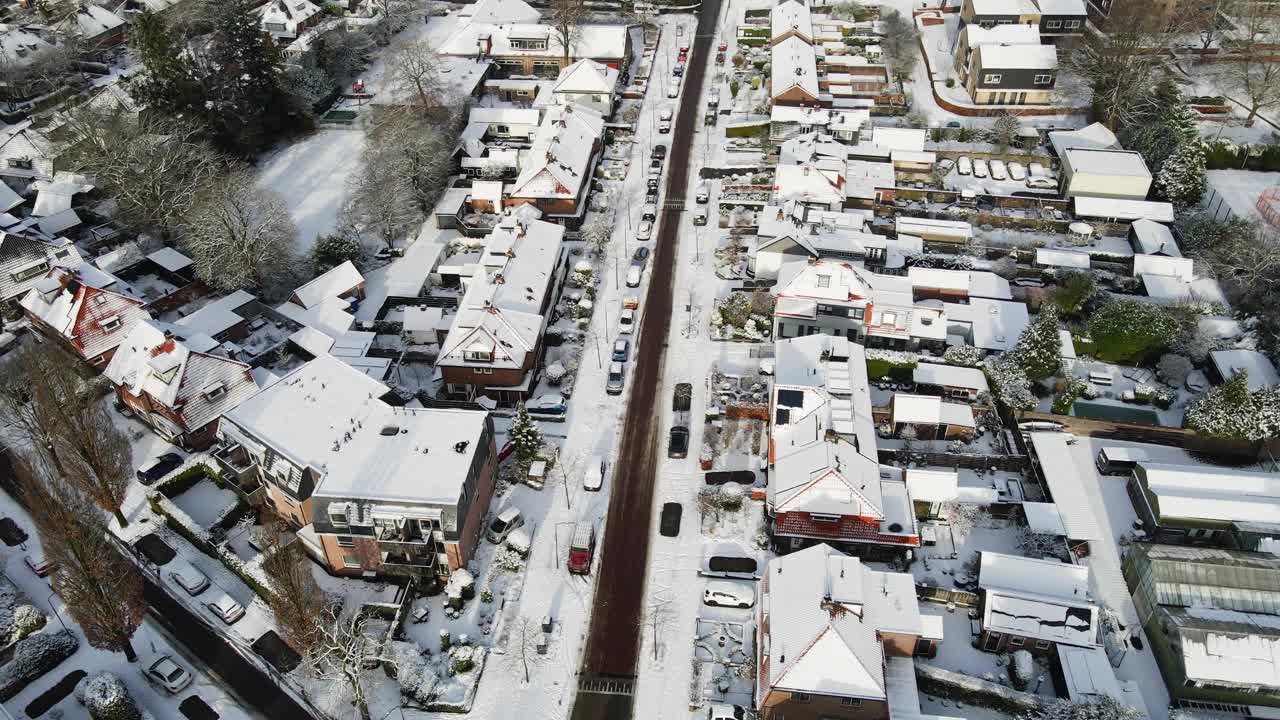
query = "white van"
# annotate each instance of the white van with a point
(633, 277)
(593, 475)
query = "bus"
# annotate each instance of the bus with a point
(1118, 460)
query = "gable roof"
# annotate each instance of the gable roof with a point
(791, 16)
(20, 255)
(558, 161)
(586, 76)
(501, 11)
(794, 65)
(176, 368)
(334, 283)
(78, 307)
(1043, 599)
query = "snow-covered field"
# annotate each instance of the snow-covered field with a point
(312, 177)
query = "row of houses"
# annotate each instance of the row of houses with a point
(1006, 52)
(812, 66)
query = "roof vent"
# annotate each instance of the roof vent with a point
(461, 446)
(390, 430)
(895, 527)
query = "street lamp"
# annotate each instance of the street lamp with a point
(49, 600)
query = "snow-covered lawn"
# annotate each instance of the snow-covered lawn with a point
(311, 175)
(205, 502)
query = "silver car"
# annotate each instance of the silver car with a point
(226, 608)
(617, 378)
(168, 674)
(188, 577)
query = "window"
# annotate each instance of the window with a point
(1052, 24)
(888, 318)
(478, 355)
(110, 324)
(213, 391)
(275, 27)
(501, 129)
(1073, 24)
(824, 281)
(801, 697)
(30, 271)
(851, 702)
(62, 254)
(1016, 642)
(528, 44)
(1042, 644)
(819, 517)
(350, 561)
(1044, 79)
(337, 519)
(991, 79)
(859, 313)
(482, 371)
(1004, 22)
(20, 163)
(346, 541)
(832, 310)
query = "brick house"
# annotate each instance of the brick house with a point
(372, 488)
(555, 173)
(86, 310)
(1034, 605)
(511, 34)
(176, 382)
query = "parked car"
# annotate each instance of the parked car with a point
(168, 674)
(157, 467)
(704, 194)
(502, 525)
(582, 549)
(998, 171)
(617, 379)
(719, 58)
(649, 212)
(633, 276)
(700, 216)
(627, 321)
(673, 90)
(964, 166)
(646, 230)
(1041, 183)
(659, 151)
(39, 564)
(682, 397)
(226, 608)
(666, 113)
(664, 126)
(550, 404)
(980, 168)
(1017, 172)
(725, 593)
(640, 256)
(653, 183)
(678, 442)
(188, 577)
(651, 196)
(722, 47)
(669, 521)
(678, 70)
(593, 476)
(621, 350)
(945, 165)
(725, 712)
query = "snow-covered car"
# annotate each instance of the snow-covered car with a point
(724, 593)
(188, 577)
(640, 256)
(980, 168)
(1035, 169)
(724, 712)
(664, 126)
(964, 166)
(1041, 183)
(666, 113)
(168, 674)
(627, 321)
(621, 350)
(645, 231)
(39, 564)
(226, 608)
(998, 170)
(945, 165)
(1017, 172)
(593, 476)
(551, 404)
(649, 212)
(700, 216)
(673, 90)
(633, 276)
(501, 526)
(617, 379)
(519, 542)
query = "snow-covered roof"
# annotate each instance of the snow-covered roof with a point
(992, 324)
(922, 227)
(1044, 518)
(21, 255)
(791, 16)
(810, 182)
(78, 305)
(1154, 238)
(927, 373)
(1018, 57)
(1062, 7)
(1200, 492)
(1088, 675)
(1043, 599)
(1002, 35)
(1049, 257)
(218, 316)
(1061, 474)
(337, 282)
(1119, 209)
(92, 21)
(20, 46)
(493, 38)
(932, 485)
(287, 13)
(1262, 372)
(170, 259)
(558, 162)
(803, 116)
(1166, 288)
(824, 612)
(793, 65)
(1241, 650)
(500, 11)
(1176, 267)
(904, 139)
(982, 8)
(586, 76)
(1096, 136)
(974, 283)
(930, 410)
(176, 368)
(1119, 163)
(865, 177)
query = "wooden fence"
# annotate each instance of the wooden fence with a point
(942, 596)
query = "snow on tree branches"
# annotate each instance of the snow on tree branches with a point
(1039, 349)
(962, 355)
(525, 435)
(1009, 383)
(1231, 410)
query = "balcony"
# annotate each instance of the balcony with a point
(403, 561)
(235, 464)
(409, 532)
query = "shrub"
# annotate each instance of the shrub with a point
(32, 657)
(1127, 330)
(1039, 349)
(1073, 291)
(105, 696)
(176, 484)
(26, 620)
(1009, 383)
(1231, 410)
(1174, 369)
(895, 366)
(962, 356)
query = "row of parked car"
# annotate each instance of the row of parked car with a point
(507, 528)
(1034, 174)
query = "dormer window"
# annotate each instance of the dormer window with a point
(213, 391)
(21, 163)
(110, 324)
(478, 352)
(164, 367)
(824, 281)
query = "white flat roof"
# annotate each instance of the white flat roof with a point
(1123, 163)
(1118, 209)
(950, 376)
(1044, 518)
(170, 259)
(1018, 57)
(1062, 258)
(1060, 472)
(1262, 372)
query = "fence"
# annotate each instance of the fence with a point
(943, 596)
(1007, 463)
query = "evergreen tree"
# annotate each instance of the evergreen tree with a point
(170, 83)
(1231, 410)
(1164, 124)
(250, 107)
(1039, 349)
(526, 436)
(1182, 179)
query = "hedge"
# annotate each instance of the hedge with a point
(181, 523)
(178, 483)
(878, 368)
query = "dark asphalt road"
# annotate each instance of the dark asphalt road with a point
(613, 643)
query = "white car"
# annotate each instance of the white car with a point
(645, 232)
(673, 90)
(1037, 170)
(964, 166)
(666, 113)
(593, 476)
(190, 579)
(723, 593)
(1017, 172)
(633, 277)
(980, 168)
(507, 520)
(226, 608)
(168, 674)
(1042, 183)
(725, 712)
(39, 564)
(627, 321)
(998, 171)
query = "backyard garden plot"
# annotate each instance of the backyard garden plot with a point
(724, 661)
(207, 502)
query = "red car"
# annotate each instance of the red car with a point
(722, 47)
(582, 549)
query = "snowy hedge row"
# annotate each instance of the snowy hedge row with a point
(937, 681)
(106, 697)
(17, 618)
(34, 656)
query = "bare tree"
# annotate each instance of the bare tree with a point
(964, 517)
(1119, 67)
(901, 44)
(240, 235)
(1256, 74)
(380, 204)
(1004, 131)
(102, 589)
(565, 18)
(296, 600)
(416, 77)
(598, 231)
(25, 423)
(908, 435)
(394, 16)
(424, 143)
(1034, 544)
(343, 651)
(1207, 19)
(524, 643)
(658, 617)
